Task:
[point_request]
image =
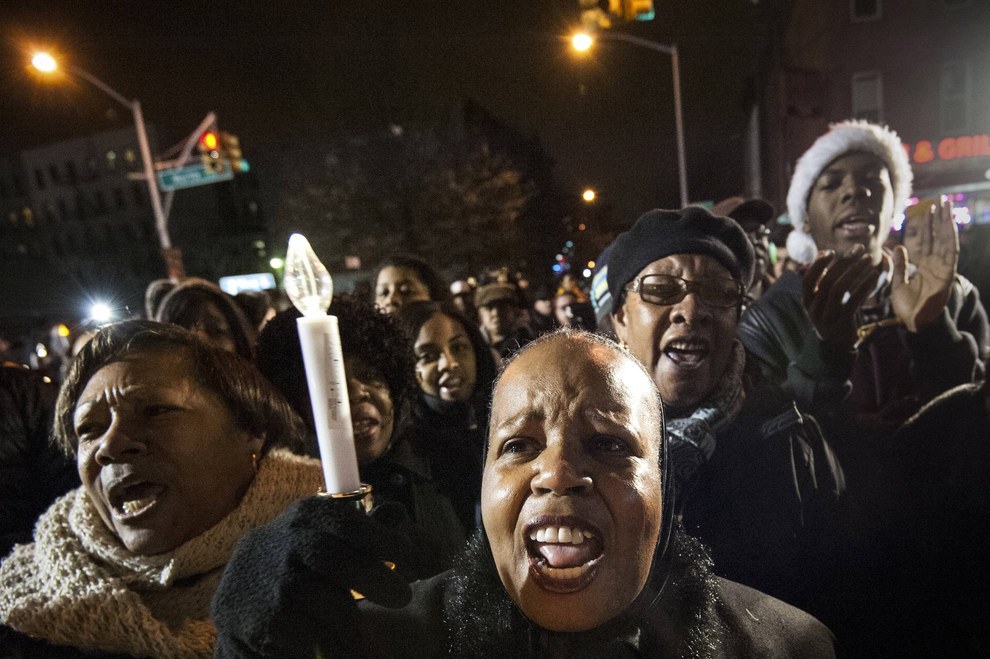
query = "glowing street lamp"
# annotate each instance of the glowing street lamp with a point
(582, 41)
(588, 195)
(45, 63)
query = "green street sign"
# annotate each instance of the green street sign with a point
(192, 176)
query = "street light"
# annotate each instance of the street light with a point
(588, 195)
(47, 64)
(582, 41)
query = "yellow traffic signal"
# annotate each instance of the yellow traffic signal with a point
(230, 145)
(209, 152)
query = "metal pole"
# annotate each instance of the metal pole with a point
(152, 178)
(173, 257)
(679, 119)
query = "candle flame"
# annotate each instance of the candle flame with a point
(306, 281)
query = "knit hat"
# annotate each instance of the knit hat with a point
(601, 299)
(854, 135)
(693, 230)
(494, 293)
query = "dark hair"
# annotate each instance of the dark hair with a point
(411, 318)
(182, 305)
(426, 273)
(365, 333)
(256, 407)
(255, 305)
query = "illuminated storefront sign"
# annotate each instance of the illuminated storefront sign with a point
(949, 148)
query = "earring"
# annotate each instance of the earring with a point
(254, 461)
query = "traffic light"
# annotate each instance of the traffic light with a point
(595, 14)
(636, 10)
(230, 146)
(210, 152)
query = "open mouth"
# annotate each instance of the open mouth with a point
(688, 353)
(364, 426)
(132, 500)
(858, 225)
(451, 384)
(563, 555)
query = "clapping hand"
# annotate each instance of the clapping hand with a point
(833, 289)
(918, 300)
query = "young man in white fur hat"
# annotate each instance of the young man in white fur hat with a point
(862, 338)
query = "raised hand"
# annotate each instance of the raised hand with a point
(833, 289)
(919, 299)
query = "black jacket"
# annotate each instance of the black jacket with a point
(886, 380)
(33, 472)
(466, 612)
(767, 503)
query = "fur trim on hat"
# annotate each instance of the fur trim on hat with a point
(844, 137)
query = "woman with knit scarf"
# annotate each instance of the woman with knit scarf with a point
(176, 443)
(755, 480)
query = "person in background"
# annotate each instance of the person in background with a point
(462, 295)
(33, 471)
(201, 307)
(176, 444)
(378, 364)
(455, 370)
(257, 307)
(861, 338)
(755, 479)
(573, 559)
(754, 216)
(406, 278)
(499, 311)
(541, 316)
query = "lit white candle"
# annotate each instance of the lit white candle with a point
(310, 287)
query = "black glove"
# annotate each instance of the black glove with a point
(286, 591)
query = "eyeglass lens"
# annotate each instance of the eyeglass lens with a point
(668, 289)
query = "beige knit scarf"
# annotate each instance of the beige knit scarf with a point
(76, 585)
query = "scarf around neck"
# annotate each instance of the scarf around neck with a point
(691, 438)
(76, 585)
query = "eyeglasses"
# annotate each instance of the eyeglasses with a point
(668, 289)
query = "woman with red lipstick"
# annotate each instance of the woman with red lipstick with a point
(755, 479)
(175, 442)
(379, 369)
(572, 560)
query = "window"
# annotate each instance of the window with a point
(53, 173)
(118, 199)
(39, 179)
(867, 95)
(954, 93)
(111, 160)
(861, 11)
(140, 194)
(70, 172)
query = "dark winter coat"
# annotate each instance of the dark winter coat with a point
(33, 472)
(466, 612)
(875, 388)
(767, 502)
(403, 476)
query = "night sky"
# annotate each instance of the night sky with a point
(277, 73)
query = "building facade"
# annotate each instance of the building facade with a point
(920, 66)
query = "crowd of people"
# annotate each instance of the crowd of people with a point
(702, 453)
